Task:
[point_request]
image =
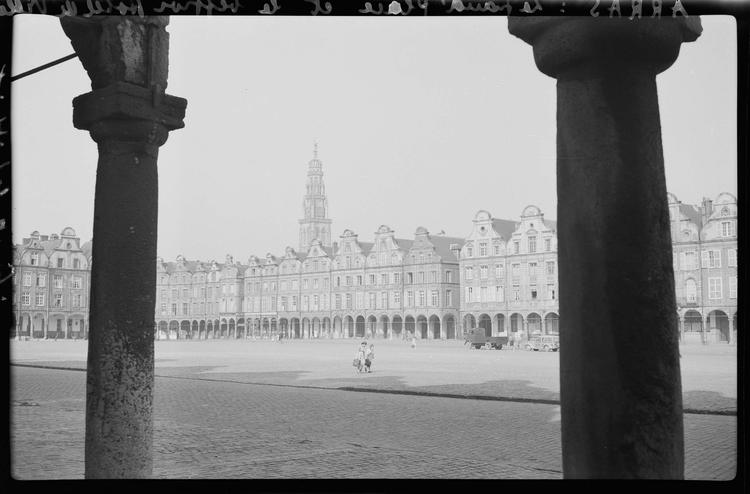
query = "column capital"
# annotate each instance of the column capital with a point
(126, 59)
(571, 47)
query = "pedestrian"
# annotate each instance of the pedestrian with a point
(359, 357)
(369, 357)
(413, 341)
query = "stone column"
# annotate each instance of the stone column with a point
(619, 366)
(129, 116)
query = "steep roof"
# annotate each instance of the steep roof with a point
(692, 213)
(442, 246)
(504, 227)
(404, 243)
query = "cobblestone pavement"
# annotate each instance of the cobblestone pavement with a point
(709, 373)
(222, 429)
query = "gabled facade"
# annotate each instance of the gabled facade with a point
(704, 253)
(51, 286)
(509, 275)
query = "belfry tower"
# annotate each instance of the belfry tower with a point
(315, 224)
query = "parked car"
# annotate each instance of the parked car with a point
(478, 339)
(546, 343)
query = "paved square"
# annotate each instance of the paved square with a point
(261, 409)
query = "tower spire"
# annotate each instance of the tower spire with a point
(315, 225)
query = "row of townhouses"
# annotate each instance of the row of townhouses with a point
(501, 278)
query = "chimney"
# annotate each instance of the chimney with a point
(707, 209)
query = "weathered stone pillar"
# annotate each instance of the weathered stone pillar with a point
(619, 364)
(129, 116)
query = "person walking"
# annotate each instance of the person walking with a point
(369, 357)
(413, 341)
(359, 357)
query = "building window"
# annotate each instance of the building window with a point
(58, 300)
(409, 278)
(396, 299)
(338, 280)
(483, 272)
(533, 293)
(184, 309)
(733, 287)
(421, 299)
(25, 298)
(497, 250)
(163, 309)
(304, 284)
(727, 229)
(732, 258)
(410, 299)
(359, 280)
(384, 278)
(483, 249)
(305, 302)
(516, 293)
(338, 301)
(27, 279)
(35, 259)
(76, 300)
(348, 281)
(469, 273)
(516, 247)
(433, 276)
(60, 262)
(469, 252)
(76, 264)
(174, 309)
(550, 268)
(40, 300)
(483, 294)
(41, 279)
(372, 279)
(384, 300)
(532, 245)
(499, 294)
(469, 294)
(76, 281)
(532, 270)
(498, 271)
(396, 278)
(711, 258)
(448, 298)
(551, 292)
(691, 291)
(348, 300)
(372, 298)
(448, 276)
(547, 244)
(420, 277)
(714, 288)
(688, 260)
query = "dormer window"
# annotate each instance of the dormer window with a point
(35, 259)
(725, 211)
(469, 252)
(60, 262)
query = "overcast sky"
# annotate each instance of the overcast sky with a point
(420, 122)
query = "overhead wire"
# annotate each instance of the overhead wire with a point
(45, 66)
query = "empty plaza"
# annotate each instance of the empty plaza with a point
(298, 409)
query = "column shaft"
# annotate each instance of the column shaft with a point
(119, 424)
(619, 363)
